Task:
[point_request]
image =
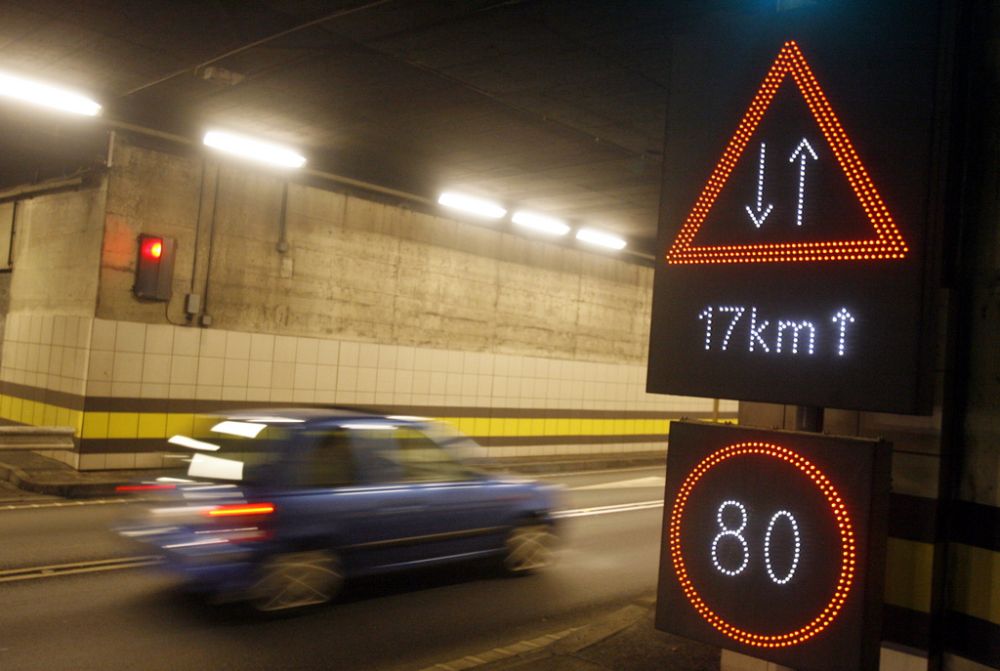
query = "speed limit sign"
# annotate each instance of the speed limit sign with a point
(774, 544)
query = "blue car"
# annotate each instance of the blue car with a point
(279, 507)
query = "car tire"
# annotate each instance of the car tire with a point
(528, 548)
(296, 580)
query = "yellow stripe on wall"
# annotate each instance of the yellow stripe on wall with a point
(909, 570)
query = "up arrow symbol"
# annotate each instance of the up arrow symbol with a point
(800, 154)
(760, 214)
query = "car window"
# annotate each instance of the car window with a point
(424, 461)
(327, 462)
(394, 454)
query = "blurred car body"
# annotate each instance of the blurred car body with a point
(280, 506)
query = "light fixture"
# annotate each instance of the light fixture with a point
(600, 239)
(255, 150)
(478, 207)
(47, 96)
(540, 223)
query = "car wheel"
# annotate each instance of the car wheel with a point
(296, 580)
(529, 548)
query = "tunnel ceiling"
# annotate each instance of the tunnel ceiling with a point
(553, 104)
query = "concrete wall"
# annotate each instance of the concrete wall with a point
(362, 270)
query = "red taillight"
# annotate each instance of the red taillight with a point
(143, 488)
(241, 509)
(152, 248)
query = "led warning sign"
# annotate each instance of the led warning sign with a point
(886, 242)
(773, 544)
(803, 191)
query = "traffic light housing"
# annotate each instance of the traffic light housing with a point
(154, 268)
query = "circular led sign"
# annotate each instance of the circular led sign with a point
(731, 518)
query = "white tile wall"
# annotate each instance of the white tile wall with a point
(49, 351)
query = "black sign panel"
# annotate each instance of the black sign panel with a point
(801, 192)
(774, 544)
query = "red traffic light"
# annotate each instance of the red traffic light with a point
(152, 248)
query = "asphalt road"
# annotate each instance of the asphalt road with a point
(135, 619)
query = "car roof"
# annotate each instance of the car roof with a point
(312, 415)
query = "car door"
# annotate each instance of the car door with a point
(332, 501)
(464, 512)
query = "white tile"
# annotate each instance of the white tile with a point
(185, 391)
(306, 350)
(305, 376)
(284, 349)
(187, 341)
(368, 355)
(262, 394)
(130, 337)
(119, 461)
(31, 357)
(282, 375)
(237, 345)
(127, 367)
(159, 339)
(156, 368)
(234, 393)
(208, 393)
(328, 352)
(403, 383)
(456, 362)
(125, 389)
(303, 396)
(261, 347)
(45, 336)
(421, 382)
(59, 330)
(259, 374)
(347, 378)
(421, 359)
(439, 360)
(84, 327)
(95, 388)
(405, 358)
(385, 380)
(154, 390)
(367, 378)
(210, 371)
(184, 370)
(349, 353)
(34, 327)
(213, 343)
(470, 362)
(281, 395)
(387, 356)
(469, 385)
(55, 360)
(236, 373)
(326, 378)
(328, 396)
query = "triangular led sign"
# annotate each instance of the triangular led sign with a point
(887, 241)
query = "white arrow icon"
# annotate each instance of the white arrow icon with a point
(761, 213)
(844, 317)
(801, 156)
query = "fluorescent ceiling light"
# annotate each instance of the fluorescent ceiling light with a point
(47, 96)
(540, 223)
(255, 150)
(593, 237)
(242, 429)
(471, 205)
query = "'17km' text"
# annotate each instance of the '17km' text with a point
(738, 326)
